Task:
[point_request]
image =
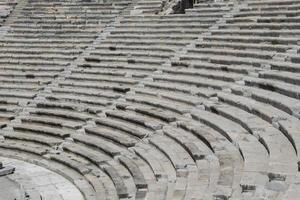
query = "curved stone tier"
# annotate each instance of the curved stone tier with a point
(140, 105)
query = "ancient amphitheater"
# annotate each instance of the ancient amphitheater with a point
(150, 99)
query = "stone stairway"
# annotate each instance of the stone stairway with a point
(131, 104)
(148, 7)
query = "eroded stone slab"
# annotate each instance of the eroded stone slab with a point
(37, 182)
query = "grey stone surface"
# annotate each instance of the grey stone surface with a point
(128, 100)
(34, 182)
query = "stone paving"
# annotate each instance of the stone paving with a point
(35, 182)
(127, 100)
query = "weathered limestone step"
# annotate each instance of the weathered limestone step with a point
(192, 80)
(112, 135)
(287, 124)
(227, 60)
(14, 87)
(151, 160)
(207, 10)
(79, 90)
(60, 47)
(21, 146)
(96, 143)
(237, 135)
(66, 106)
(66, 7)
(125, 68)
(48, 20)
(49, 36)
(36, 57)
(29, 69)
(37, 129)
(18, 94)
(58, 105)
(135, 119)
(275, 26)
(287, 104)
(185, 100)
(132, 60)
(288, 77)
(256, 33)
(104, 79)
(40, 139)
(150, 35)
(82, 168)
(24, 82)
(51, 121)
(264, 19)
(156, 113)
(213, 5)
(190, 31)
(158, 103)
(268, 136)
(150, 42)
(272, 2)
(128, 128)
(146, 55)
(166, 19)
(206, 65)
(267, 14)
(162, 26)
(74, 7)
(187, 143)
(17, 88)
(36, 30)
(98, 186)
(121, 47)
(89, 154)
(243, 46)
(70, 12)
(117, 180)
(70, 115)
(39, 62)
(233, 132)
(194, 12)
(173, 16)
(92, 4)
(92, 102)
(117, 89)
(275, 86)
(134, 170)
(262, 40)
(177, 155)
(228, 161)
(294, 58)
(285, 66)
(278, 19)
(44, 41)
(131, 52)
(223, 76)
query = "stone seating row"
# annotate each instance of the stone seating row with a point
(145, 115)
